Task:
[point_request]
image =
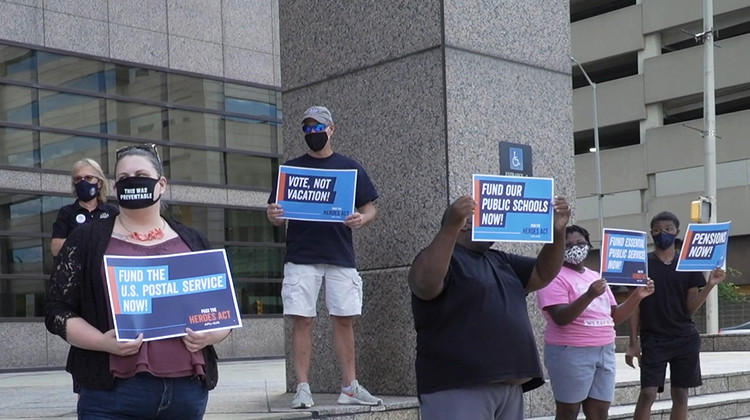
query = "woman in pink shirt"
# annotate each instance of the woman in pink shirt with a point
(579, 349)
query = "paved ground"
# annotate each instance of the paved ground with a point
(247, 390)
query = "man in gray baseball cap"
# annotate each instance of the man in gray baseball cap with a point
(324, 250)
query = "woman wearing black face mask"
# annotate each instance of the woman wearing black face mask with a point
(166, 378)
(90, 186)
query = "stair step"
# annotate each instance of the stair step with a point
(725, 405)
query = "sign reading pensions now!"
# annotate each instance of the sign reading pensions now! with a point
(321, 195)
(509, 208)
(624, 257)
(160, 296)
(704, 247)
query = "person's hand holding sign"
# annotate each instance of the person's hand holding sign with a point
(275, 214)
(562, 214)
(363, 216)
(717, 276)
(121, 348)
(195, 341)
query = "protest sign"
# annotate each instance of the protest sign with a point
(624, 257)
(704, 247)
(160, 296)
(518, 209)
(320, 195)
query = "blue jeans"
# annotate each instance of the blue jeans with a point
(145, 397)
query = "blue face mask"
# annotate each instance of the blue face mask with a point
(86, 191)
(663, 240)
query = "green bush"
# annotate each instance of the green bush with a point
(730, 292)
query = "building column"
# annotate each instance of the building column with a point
(421, 93)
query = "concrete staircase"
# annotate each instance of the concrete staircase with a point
(725, 393)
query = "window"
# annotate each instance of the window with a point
(56, 109)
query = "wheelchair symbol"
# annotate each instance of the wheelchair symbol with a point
(516, 162)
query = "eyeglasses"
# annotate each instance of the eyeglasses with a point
(317, 128)
(149, 147)
(88, 178)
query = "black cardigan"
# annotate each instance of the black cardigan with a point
(76, 289)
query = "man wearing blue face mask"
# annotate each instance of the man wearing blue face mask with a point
(664, 320)
(318, 251)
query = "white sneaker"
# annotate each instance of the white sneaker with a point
(358, 396)
(303, 397)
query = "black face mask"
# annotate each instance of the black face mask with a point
(316, 141)
(86, 191)
(136, 192)
(663, 240)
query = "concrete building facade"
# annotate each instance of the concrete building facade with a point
(649, 73)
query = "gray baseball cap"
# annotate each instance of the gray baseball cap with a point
(320, 114)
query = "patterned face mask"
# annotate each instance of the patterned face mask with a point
(576, 254)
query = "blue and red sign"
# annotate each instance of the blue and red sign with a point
(161, 296)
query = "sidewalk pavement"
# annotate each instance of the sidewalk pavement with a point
(251, 389)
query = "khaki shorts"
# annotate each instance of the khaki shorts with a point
(299, 290)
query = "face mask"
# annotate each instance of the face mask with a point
(316, 141)
(663, 240)
(136, 192)
(576, 254)
(86, 191)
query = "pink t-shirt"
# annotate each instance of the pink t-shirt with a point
(593, 327)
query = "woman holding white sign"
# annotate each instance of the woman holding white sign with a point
(579, 349)
(159, 379)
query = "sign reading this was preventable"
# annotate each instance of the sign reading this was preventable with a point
(509, 208)
(160, 296)
(704, 247)
(320, 195)
(624, 257)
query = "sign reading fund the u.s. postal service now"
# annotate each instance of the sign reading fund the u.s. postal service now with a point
(704, 247)
(161, 296)
(518, 209)
(320, 195)
(624, 257)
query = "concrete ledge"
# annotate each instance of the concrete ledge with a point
(709, 342)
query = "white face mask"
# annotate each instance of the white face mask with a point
(576, 254)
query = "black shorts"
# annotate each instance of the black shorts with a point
(683, 356)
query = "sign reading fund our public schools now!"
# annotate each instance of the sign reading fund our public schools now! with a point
(704, 247)
(509, 208)
(162, 295)
(624, 260)
(319, 195)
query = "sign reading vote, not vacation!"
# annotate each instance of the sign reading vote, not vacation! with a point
(162, 295)
(509, 208)
(321, 195)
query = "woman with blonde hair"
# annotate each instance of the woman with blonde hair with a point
(90, 187)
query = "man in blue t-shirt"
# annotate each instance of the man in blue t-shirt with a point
(324, 250)
(476, 352)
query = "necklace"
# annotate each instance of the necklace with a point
(155, 233)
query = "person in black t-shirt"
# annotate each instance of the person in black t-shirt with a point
(90, 186)
(476, 352)
(664, 320)
(324, 250)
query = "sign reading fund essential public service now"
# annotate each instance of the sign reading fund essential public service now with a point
(704, 247)
(320, 195)
(161, 296)
(624, 258)
(509, 208)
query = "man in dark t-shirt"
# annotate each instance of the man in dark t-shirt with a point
(476, 352)
(324, 250)
(664, 320)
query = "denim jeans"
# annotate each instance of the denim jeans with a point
(145, 397)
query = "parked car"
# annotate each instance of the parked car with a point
(737, 329)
